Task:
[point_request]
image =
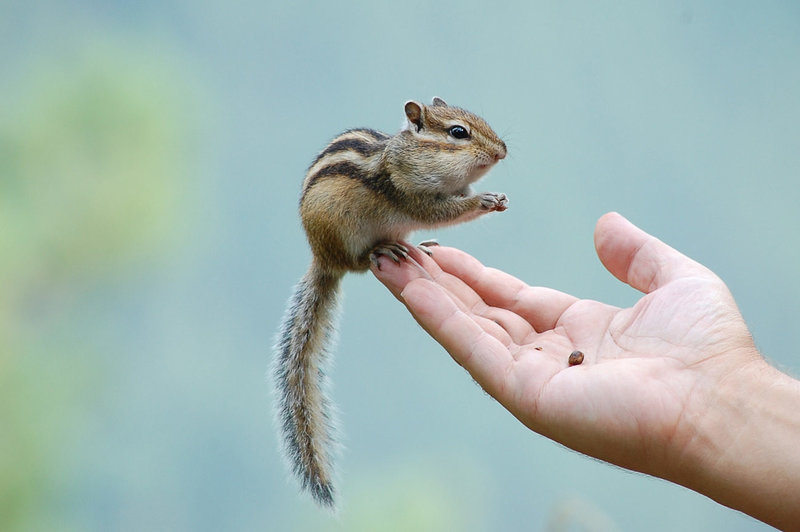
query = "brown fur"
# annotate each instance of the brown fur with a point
(362, 194)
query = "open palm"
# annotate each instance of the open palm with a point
(649, 371)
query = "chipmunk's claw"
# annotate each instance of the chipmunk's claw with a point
(425, 246)
(393, 250)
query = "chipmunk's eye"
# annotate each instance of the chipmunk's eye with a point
(458, 132)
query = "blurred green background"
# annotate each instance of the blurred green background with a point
(151, 155)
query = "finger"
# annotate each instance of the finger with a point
(515, 327)
(639, 259)
(470, 345)
(396, 275)
(516, 330)
(540, 307)
(502, 324)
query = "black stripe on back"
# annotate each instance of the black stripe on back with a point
(383, 185)
(358, 145)
(380, 183)
(374, 133)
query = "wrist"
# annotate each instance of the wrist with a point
(743, 453)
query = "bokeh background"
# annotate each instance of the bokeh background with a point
(151, 155)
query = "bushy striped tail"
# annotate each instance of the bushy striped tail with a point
(304, 411)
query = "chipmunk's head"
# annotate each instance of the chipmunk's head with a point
(455, 147)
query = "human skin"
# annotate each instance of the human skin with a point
(673, 386)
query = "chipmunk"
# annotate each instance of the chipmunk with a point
(361, 197)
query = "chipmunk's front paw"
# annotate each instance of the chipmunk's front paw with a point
(492, 201)
(393, 250)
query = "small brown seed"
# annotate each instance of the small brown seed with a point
(575, 358)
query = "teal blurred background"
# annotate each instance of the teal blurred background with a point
(151, 155)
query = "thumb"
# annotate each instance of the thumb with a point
(639, 259)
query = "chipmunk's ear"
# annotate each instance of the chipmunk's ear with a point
(438, 102)
(414, 114)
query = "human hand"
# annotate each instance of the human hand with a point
(652, 393)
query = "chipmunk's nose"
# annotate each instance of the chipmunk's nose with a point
(501, 152)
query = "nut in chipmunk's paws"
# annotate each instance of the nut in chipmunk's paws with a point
(492, 201)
